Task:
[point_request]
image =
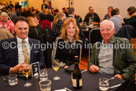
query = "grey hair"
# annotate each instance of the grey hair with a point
(4, 13)
(108, 21)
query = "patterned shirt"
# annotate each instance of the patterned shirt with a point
(9, 25)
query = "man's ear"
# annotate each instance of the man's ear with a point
(114, 29)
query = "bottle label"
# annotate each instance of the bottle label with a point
(74, 82)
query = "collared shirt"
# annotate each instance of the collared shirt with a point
(21, 58)
(9, 25)
(117, 22)
(106, 58)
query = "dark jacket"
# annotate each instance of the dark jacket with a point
(9, 55)
(45, 6)
(124, 59)
(94, 16)
(132, 22)
(35, 32)
(56, 28)
(65, 51)
(47, 17)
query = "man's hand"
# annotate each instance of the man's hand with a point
(17, 69)
(118, 76)
(94, 68)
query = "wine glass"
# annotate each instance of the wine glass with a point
(55, 66)
(26, 73)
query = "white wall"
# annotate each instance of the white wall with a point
(81, 6)
(100, 6)
(34, 3)
(13, 1)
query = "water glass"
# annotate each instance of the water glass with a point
(12, 79)
(103, 84)
(45, 85)
(43, 74)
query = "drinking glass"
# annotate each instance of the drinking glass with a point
(43, 74)
(103, 84)
(45, 85)
(27, 71)
(12, 79)
(55, 66)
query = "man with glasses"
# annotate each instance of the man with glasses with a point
(114, 56)
(91, 14)
(5, 23)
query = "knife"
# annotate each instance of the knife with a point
(115, 86)
(4, 79)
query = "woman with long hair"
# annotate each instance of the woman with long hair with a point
(34, 31)
(57, 23)
(68, 45)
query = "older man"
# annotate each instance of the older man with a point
(16, 52)
(91, 14)
(114, 56)
(5, 23)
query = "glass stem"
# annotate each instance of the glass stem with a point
(27, 79)
(56, 74)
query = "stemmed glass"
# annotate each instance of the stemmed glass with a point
(26, 73)
(55, 66)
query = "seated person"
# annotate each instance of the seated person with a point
(116, 19)
(108, 58)
(71, 13)
(5, 23)
(34, 31)
(91, 14)
(5, 34)
(108, 15)
(14, 57)
(79, 18)
(68, 44)
(132, 20)
(57, 23)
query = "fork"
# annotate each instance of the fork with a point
(67, 89)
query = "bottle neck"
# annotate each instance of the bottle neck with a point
(76, 63)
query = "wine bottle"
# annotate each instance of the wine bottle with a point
(76, 76)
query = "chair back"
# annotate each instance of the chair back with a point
(125, 32)
(94, 36)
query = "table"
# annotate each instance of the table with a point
(90, 82)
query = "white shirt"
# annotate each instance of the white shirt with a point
(21, 58)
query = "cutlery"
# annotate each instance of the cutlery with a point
(115, 86)
(83, 71)
(67, 89)
(110, 79)
(4, 79)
